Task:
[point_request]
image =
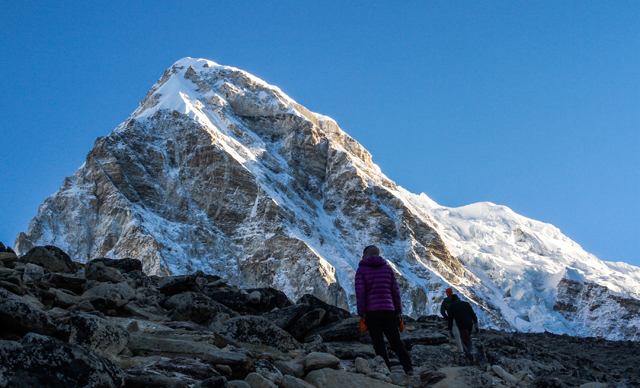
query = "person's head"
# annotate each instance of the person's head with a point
(449, 291)
(369, 251)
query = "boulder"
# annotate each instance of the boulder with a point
(195, 307)
(122, 265)
(68, 282)
(138, 279)
(422, 337)
(188, 369)
(306, 323)
(255, 332)
(8, 259)
(289, 368)
(362, 366)
(344, 330)
(267, 299)
(97, 334)
(378, 365)
(65, 299)
(333, 313)
(293, 382)
(172, 285)
(19, 316)
(238, 384)
(142, 344)
(331, 378)
(403, 380)
(315, 360)
(41, 361)
(51, 258)
(213, 382)
(430, 377)
(33, 273)
(96, 270)
(267, 370)
(106, 296)
(436, 357)
(351, 350)
(463, 377)
(256, 380)
(147, 308)
(135, 380)
(285, 317)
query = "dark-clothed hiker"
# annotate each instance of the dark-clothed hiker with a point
(446, 303)
(379, 305)
(464, 317)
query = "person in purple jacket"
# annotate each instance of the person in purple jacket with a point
(379, 304)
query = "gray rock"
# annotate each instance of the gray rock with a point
(289, 368)
(251, 331)
(142, 344)
(69, 282)
(213, 382)
(378, 365)
(267, 370)
(41, 361)
(293, 382)
(153, 380)
(306, 323)
(109, 296)
(33, 273)
(352, 350)
(19, 316)
(362, 366)
(8, 259)
(344, 330)
(504, 375)
(463, 377)
(331, 378)
(285, 317)
(315, 361)
(254, 297)
(97, 334)
(256, 380)
(96, 270)
(125, 265)
(195, 307)
(51, 258)
(402, 379)
(65, 299)
(188, 369)
(380, 376)
(238, 384)
(147, 308)
(431, 377)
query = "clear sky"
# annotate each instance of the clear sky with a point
(530, 104)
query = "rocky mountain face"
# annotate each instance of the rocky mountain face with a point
(108, 324)
(220, 172)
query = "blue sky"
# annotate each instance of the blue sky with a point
(530, 104)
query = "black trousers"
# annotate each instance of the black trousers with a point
(381, 323)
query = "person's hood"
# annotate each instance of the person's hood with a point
(373, 261)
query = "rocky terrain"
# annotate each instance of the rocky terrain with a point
(106, 323)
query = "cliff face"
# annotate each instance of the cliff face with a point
(220, 172)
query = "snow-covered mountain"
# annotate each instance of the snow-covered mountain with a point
(219, 171)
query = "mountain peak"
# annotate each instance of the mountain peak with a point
(219, 171)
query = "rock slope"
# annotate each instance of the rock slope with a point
(108, 324)
(220, 172)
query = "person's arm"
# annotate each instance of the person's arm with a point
(361, 294)
(443, 311)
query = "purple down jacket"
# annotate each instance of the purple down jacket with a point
(376, 287)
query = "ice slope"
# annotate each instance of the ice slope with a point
(521, 261)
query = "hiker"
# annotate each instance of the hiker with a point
(380, 306)
(462, 315)
(454, 333)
